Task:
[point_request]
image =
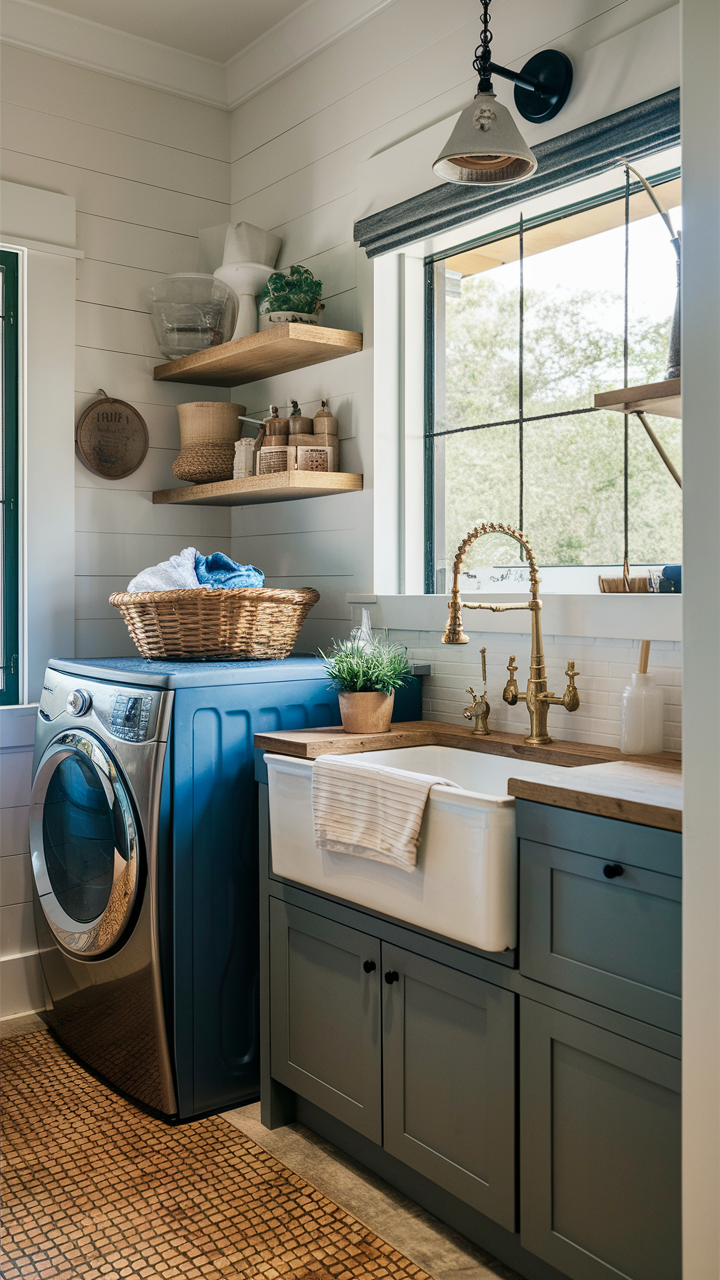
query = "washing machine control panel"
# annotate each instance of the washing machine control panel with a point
(130, 717)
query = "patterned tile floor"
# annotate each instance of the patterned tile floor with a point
(96, 1189)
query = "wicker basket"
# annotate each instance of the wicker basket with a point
(205, 463)
(246, 622)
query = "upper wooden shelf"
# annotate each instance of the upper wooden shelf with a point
(261, 355)
(662, 398)
(283, 486)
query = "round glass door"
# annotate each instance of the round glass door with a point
(84, 844)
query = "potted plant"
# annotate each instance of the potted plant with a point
(366, 674)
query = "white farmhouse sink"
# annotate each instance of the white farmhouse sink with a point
(465, 883)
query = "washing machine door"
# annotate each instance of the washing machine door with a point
(85, 844)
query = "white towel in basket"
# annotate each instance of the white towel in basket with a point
(370, 810)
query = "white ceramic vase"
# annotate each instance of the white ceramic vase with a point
(247, 280)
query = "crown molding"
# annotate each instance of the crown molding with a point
(97, 47)
(292, 41)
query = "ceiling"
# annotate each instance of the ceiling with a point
(216, 29)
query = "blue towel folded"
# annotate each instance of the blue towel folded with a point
(218, 570)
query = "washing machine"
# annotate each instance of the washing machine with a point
(143, 829)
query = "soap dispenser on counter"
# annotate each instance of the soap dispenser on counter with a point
(642, 711)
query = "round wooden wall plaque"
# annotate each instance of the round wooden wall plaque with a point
(111, 438)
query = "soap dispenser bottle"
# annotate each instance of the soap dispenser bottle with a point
(642, 711)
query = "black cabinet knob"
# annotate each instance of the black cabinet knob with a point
(369, 966)
(392, 976)
(612, 870)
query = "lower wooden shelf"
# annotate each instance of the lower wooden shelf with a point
(662, 398)
(286, 486)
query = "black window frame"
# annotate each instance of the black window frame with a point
(520, 226)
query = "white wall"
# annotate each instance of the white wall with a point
(300, 151)
(147, 169)
(701, 745)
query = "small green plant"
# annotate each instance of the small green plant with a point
(353, 668)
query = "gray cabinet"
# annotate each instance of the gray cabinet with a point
(325, 1015)
(614, 940)
(600, 1150)
(449, 1080)
(442, 1061)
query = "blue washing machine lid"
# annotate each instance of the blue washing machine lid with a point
(191, 675)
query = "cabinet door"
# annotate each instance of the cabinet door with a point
(615, 941)
(325, 1015)
(449, 1080)
(599, 1150)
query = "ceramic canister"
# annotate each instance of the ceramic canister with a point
(324, 424)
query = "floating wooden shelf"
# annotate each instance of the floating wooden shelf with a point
(261, 355)
(286, 486)
(662, 398)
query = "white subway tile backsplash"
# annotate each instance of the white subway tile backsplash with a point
(604, 667)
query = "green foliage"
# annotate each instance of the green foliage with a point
(353, 669)
(573, 347)
(296, 291)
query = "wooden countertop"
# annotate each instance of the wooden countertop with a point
(632, 789)
(307, 744)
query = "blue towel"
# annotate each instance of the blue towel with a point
(218, 570)
(671, 578)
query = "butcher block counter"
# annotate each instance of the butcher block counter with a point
(642, 789)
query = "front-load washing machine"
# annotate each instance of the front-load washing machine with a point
(145, 861)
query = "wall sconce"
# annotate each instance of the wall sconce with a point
(486, 145)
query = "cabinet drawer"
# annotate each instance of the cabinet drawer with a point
(449, 1080)
(600, 1150)
(325, 1015)
(616, 942)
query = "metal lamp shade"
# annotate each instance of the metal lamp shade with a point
(485, 146)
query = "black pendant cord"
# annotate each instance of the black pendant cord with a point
(626, 363)
(521, 380)
(483, 58)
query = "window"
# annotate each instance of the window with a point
(9, 488)
(527, 325)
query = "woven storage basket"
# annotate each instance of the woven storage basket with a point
(204, 463)
(246, 622)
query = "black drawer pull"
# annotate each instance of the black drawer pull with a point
(612, 870)
(369, 966)
(392, 976)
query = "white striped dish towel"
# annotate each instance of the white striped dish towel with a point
(370, 810)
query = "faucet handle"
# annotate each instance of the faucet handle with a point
(469, 712)
(483, 651)
(510, 692)
(571, 697)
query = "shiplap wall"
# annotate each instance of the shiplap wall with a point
(148, 170)
(295, 149)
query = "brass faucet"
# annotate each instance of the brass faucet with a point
(537, 697)
(479, 710)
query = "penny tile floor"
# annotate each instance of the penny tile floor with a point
(96, 1189)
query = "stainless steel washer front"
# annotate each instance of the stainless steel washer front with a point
(85, 844)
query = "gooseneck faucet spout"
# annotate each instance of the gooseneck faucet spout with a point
(537, 697)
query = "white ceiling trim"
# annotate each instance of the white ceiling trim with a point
(312, 27)
(93, 45)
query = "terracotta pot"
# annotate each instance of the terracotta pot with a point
(366, 712)
(209, 422)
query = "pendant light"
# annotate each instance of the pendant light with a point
(486, 145)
